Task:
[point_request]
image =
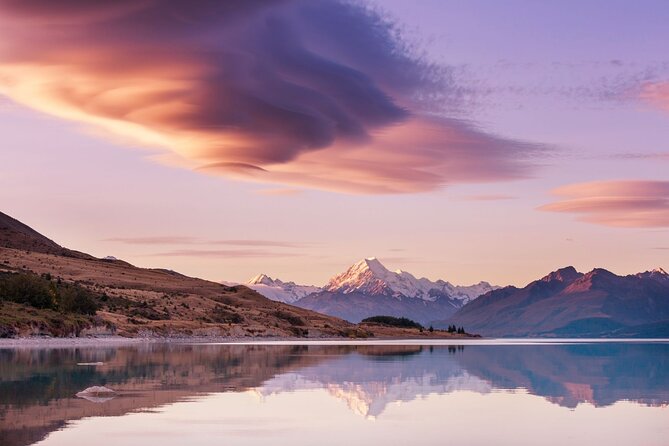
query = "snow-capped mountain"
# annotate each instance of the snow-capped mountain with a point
(275, 289)
(369, 289)
(370, 277)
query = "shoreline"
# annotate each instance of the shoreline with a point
(113, 341)
(119, 341)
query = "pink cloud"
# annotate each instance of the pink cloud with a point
(185, 240)
(299, 93)
(631, 203)
(231, 253)
(489, 197)
(283, 192)
(657, 94)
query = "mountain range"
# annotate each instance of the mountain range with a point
(568, 303)
(368, 288)
(141, 301)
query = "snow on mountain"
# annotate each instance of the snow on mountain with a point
(657, 274)
(370, 277)
(275, 289)
(370, 399)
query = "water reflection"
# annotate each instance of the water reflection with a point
(38, 387)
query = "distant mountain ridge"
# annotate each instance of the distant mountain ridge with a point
(569, 303)
(275, 289)
(368, 288)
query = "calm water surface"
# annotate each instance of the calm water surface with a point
(478, 393)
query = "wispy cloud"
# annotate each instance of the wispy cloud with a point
(271, 243)
(283, 192)
(592, 84)
(489, 197)
(301, 93)
(154, 240)
(186, 240)
(656, 93)
(232, 253)
(629, 203)
(652, 156)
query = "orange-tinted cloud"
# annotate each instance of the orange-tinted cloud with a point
(640, 204)
(280, 192)
(657, 94)
(296, 92)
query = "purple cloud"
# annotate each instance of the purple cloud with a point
(300, 93)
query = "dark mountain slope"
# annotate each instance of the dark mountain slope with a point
(354, 307)
(16, 235)
(568, 303)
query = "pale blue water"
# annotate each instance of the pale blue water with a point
(511, 392)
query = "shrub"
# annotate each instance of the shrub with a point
(291, 318)
(221, 315)
(76, 300)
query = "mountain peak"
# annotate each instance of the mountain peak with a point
(370, 277)
(655, 274)
(280, 291)
(367, 276)
(566, 274)
(371, 263)
(262, 279)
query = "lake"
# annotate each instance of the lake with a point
(384, 393)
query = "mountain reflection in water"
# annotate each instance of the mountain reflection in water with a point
(38, 386)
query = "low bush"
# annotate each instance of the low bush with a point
(289, 317)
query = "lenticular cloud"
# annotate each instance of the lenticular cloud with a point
(316, 94)
(623, 203)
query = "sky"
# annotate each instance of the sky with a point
(460, 140)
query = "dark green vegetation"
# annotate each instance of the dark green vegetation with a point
(24, 320)
(391, 321)
(454, 329)
(44, 293)
(39, 304)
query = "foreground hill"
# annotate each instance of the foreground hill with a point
(14, 234)
(569, 303)
(368, 288)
